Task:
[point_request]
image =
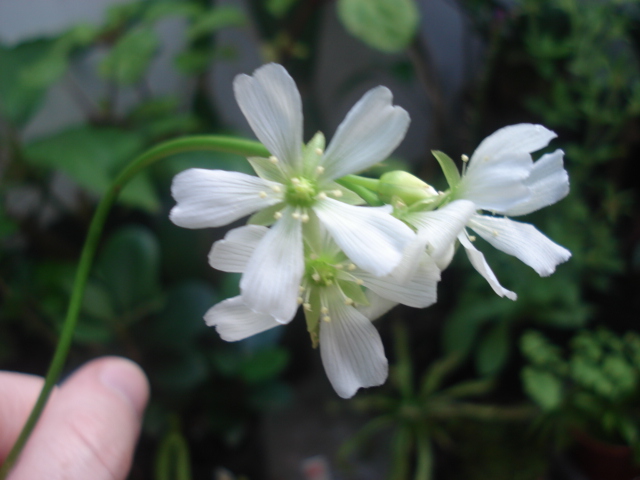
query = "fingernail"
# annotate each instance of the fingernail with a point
(128, 380)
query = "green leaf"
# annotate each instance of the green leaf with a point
(18, 101)
(493, 350)
(544, 388)
(214, 20)
(129, 267)
(179, 371)
(130, 57)
(93, 157)
(159, 10)
(387, 25)
(449, 168)
(279, 8)
(264, 365)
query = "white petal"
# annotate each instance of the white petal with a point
(212, 198)
(418, 292)
(372, 129)
(514, 139)
(351, 349)
(548, 182)
(439, 228)
(497, 186)
(264, 168)
(482, 267)
(377, 307)
(233, 252)
(370, 237)
(523, 241)
(235, 321)
(444, 259)
(271, 280)
(271, 103)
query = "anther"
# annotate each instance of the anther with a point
(324, 310)
(306, 306)
(359, 281)
(318, 152)
(295, 181)
(316, 276)
(322, 196)
(263, 194)
(465, 158)
(304, 217)
(301, 289)
(348, 301)
(337, 193)
(300, 300)
(276, 188)
(472, 238)
(296, 215)
(351, 267)
(273, 159)
(339, 266)
(494, 233)
(326, 318)
(277, 215)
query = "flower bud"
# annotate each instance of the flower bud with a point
(409, 188)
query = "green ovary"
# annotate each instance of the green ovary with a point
(301, 192)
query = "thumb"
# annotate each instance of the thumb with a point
(90, 426)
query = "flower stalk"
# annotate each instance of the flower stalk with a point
(200, 143)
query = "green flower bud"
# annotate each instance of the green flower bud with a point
(408, 188)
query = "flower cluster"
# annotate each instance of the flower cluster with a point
(311, 241)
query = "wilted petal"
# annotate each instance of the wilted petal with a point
(370, 237)
(271, 103)
(440, 228)
(521, 240)
(233, 252)
(351, 349)
(212, 198)
(272, 276)
(482, 267)
(511, 140)
(235, 321)
(372, 129)
(548, 183)
(419, 292)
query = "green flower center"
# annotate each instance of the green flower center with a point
(301, 192)
(320, 272)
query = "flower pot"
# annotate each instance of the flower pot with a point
(603, 461)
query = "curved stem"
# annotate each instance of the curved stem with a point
(171, 147)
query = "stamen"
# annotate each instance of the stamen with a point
(277, 215)
(321, 196)
(300, 300)
(319, 169)
(337, 193)
(326, 318)
(472, 238)
(494, 233)
(359, 281)
(348, 301)
(316, 276)
(324, 310)
(301, 289)
(351, 267)
(319, 152)
(276, 188)
(339, 266)
(304, 217)
(263, 194)
(465, 158)
(295, 181)
(273, 159)
(306, 306)
(296, 215)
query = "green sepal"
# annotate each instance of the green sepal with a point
(354, 292)
(313, 317)
(311, 157)
(449, 168)
(265, 217)
(267, 170)
(348, 196)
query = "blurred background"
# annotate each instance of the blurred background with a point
(480, 387)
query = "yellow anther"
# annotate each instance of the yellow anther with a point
(277, 215)
(296, 215)
(319, 169)
(348, 301)
(326, 318)
(300, 300)
(494, 233)
(276, 188)
(472, 238)
(304, 217)
(339, 266)
(337, 193)
(359, 281)
(295, 181)
(316, 276)
(273, 159)
(465, 158)
(263, 194)
(351, 267)
(318, 151)
(322, 196)
(301, 289)
(324, 310)
(306, 306)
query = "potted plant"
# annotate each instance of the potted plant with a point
(589, 396)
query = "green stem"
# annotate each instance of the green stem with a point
(365, 187)
(370, 183)
(171, 147)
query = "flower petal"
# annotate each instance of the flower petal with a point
(482, 267)
(439, 228)
(419, 292)
(372, 129)
(264, 168)
(548, 182)
(272, 276)
(235, 321)
(377, 307)
(212, 198)
(370, 237)
(233, 252)
(523, 241)
(511, 140)
(351, 349)
(271, 103)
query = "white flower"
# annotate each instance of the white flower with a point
(295, 185)
(335, 294)
(502, 178)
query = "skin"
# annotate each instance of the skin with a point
(89, 428)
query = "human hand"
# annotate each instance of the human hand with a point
(89, 427)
